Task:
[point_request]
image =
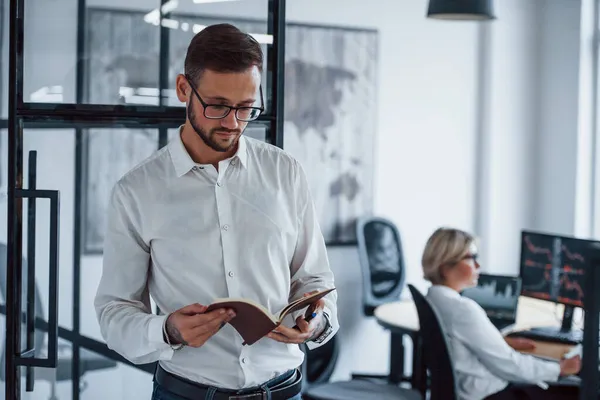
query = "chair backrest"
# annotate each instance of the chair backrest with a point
(435, 348)
(39, 335)
(381, 261)
(321, 362)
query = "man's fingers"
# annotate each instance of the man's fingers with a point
(193, 309)
(213, 318)
(302, 324)
(209, 329)
(319, 305)
(279, 337)
(293, 335)
(286, 339)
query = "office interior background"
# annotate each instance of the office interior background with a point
(487, 126)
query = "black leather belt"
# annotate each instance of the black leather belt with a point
(285, 388)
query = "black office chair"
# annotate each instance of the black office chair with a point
(382, 267)
(88, 361)
(316, 387)
(381, 261)
(320, 363)
(435, 348)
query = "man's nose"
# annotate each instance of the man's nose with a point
(230, 121)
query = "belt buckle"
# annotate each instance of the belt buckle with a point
(250, 396)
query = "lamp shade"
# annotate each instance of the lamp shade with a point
(476, 10)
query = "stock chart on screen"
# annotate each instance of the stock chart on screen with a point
(498, 295)
(552, 268)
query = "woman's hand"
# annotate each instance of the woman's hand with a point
(520, 344)
(570, 366)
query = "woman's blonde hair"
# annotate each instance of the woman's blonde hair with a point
(445, 246)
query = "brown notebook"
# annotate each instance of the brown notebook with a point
(253, 321)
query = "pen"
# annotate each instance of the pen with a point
(311, 316)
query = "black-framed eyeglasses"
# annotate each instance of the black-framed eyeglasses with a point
(465, 257)
(220, 111)
(470, 257)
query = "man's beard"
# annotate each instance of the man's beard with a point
(209, 138)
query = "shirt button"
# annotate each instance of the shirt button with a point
(219, 184)
(232, 162)
(226, 227)
(231, 275)
(244, 360)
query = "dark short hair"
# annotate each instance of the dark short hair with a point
(222, 48)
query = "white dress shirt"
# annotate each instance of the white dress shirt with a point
(186, 233)
(483, 361)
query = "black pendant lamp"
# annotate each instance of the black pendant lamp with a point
(471, 10)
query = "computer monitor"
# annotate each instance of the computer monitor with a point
(553, 268)
(498, 295)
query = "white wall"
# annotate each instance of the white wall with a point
(508, 131)
(558, 116)
(535, 152)
(424, 152)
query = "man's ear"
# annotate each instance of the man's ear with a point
(183, 88)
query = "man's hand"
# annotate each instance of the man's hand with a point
(191, 326)
(304, 331)
(520, 344)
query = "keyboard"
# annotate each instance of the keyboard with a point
(570, 337)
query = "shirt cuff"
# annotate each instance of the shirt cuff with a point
(155, 336)
(554, 372)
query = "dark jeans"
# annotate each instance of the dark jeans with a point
(533, 392)
(161, 393)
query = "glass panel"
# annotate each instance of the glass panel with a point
(123, 46)
(107, 155)
(55, 171)
(257, 131)
(123, 55)
(50, 51)
(103, 378)
(111, 46)
(191, 17)
(52, 383)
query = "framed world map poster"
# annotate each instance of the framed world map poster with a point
(330, 120)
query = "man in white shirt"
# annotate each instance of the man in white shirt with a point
(486, 364)
(211, 215)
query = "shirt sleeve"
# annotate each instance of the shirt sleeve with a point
(122, 300)
(473, 327)
(310, 266)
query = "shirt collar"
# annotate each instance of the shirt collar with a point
(183, 163)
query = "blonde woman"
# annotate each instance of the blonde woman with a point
(487, 364)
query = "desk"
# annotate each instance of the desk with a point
(401, 319)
